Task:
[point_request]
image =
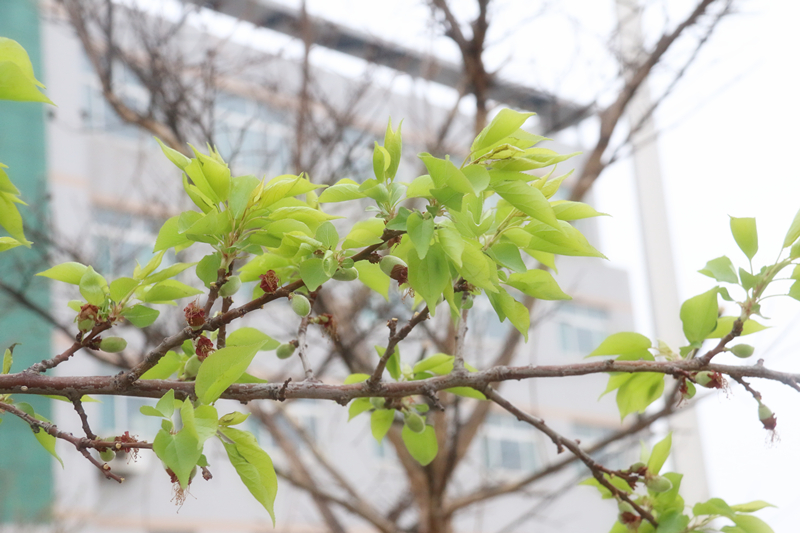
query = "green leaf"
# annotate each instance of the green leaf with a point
(466, 392)
(420, 231)
(169, 236)
(381, 160)
(254, 467)
(380, 422)
(121, 287)
(507, 307)
(477, 268)
(393, 142)
(213, 223)
(563, 240)
(721, 269)
(344, 190)
(445, 174)
(423, 447)
(745, 234)
(247, 336)
(141, 316)
(327, 235)
(429, 276)
(659, 454)
(373, 277)
(506, 122)
(16, 85)
(358, 406)
(478, 176)
(7, 243)
(168, 290)
(167, 273)
(639, 392)
(355, 378)
(233, 419)
(8, 358)
(714, 506)
(452, 243)
(725, 325)
(67, 272)
(529, 200)
(207, 270)
(439, 363)
(699, 316)
(166, 366)
(751, 507)
(312, 271)
(221, 369)
(420, 187)
(794, 231)
(364, 233)
(180, 452)
(242, 188)
(751, 524)
(393, 363)
(672, 522)
(566, 210)
(93, 287)
(166, 405)
(622, 344)
(177, 158)
(538, 284)
(507, 254)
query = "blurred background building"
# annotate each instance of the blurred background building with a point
(107, 189)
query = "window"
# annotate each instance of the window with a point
(508, 445)
(120, 239)
(121, 414)
(581, 328)
(252, 134)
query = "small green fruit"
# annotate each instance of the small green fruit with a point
(300, 305)
(414, 422)
(467, 303)
(388, 262)
(192, 367)
(113, 344)
(705, 379)
(377, 402)
(625, 507)
(231, 287)
(743, 350)
(285, 351)
(764, 412)
(107, 455)
(86, 325)
(658, 484)
(346, 274)
(635, 467)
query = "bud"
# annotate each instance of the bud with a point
(269, 282)
(377, 402)
(231, 287)
(191, 368)
(743, 350)
(300, 304)
(467, 303)
(345, 274)
(285, 351)
(658, 484)
(767, 417)
(195, 316)
(113, 344)
(414, 422)
(107, 455)
(85, 325)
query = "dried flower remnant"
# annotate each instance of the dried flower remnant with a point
(269, 282)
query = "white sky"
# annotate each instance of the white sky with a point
(726, 149)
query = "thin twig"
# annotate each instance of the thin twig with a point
(78, 405)
(394, 339)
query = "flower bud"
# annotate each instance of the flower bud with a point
(231, 287)
(346, 274)
(388, 262)
(658, 484)
(113, 344)
(192, 367)
(300, 305)
(414, 422)
(743, 350)
(285, 351)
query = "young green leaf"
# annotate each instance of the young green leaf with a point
(167, 291)
(380, 422)
(420, 230)
(141, 316)
(166, 366)
(794, 231)
(721, 269)
(47, 440)
(423, 447)
(373, 277)
(745, 234)
(221, 369)
(529, 200)
(358, 406)
(254, 467)
(327, 235)
(506, 122)
(659, 454)
(179, 452)
(429, 276)
(93, 287)
(622, 344)
(67, 272)
(699, 316)
(538, 284)
(393, 142)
